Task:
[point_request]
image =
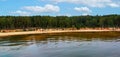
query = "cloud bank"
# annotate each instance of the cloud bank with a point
(28, 10)
(90, 3)
(39, 9)
(83, 10)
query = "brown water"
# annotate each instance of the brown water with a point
(102, 44)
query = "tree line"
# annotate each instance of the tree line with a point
(22, 22)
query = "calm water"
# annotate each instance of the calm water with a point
(104, 44)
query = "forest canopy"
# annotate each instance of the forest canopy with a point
(15, 22)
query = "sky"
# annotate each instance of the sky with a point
(59, 7)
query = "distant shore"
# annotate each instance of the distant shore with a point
(51, 31)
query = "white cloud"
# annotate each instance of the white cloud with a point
(91, 3)
(85, 14)
(66, 14)
(34, 10)
(113, 5)
(39, 9)
(21, 13)
(82, 9)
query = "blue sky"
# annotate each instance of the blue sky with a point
(59, 7)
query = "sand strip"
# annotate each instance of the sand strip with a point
(56, 31)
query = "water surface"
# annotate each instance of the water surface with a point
(102, 44)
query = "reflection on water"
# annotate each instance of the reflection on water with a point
(101, 44)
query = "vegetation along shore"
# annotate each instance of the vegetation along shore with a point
(17, 25)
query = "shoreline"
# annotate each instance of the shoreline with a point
(54, 31)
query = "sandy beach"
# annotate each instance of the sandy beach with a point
(55, 31)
